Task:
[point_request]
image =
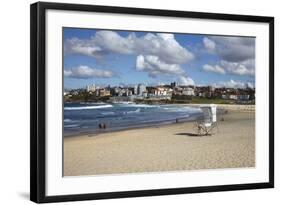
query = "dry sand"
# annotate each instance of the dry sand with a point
(164, 148)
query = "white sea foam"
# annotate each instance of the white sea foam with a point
(92, 103)
(142, 105)
(134, 111)
(69, 126)
(108, 113)
(182, 109)
(123, 103)
(88, 107)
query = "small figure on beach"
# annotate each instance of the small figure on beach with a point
(102, 125)
(177, 120)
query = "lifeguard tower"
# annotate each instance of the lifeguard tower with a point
(207, 124)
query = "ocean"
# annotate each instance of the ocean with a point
(85, 118)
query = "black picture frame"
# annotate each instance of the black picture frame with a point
(38, 103)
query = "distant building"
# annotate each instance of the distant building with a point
(128, 92)
(91, 88)
(135, 90)
(104, 92)
(97, 92)
(211, 88)
(116, 91)
(121, 92)
(210, 92)
(144, 94)
(223, 96)
(233, 97)
(161, 91)
(244, 97)
(188, 91)
(174, 84)
(141, 89)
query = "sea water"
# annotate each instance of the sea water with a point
(84, 118)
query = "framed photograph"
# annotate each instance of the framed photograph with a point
(129, 102)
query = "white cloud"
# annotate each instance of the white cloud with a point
(84, 72)
(162, 45)
(185, 80)
(111, 41)
(240, 68)
(237, 54)
(209, 44)
(232, 49)
(215, 69)
(234, 84)
(155, 66)
(84, 47)
(250, 85)
(157, 54)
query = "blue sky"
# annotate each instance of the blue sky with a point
(104, 57)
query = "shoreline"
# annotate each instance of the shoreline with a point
(221, 109)
(166, 123)
(129, 128)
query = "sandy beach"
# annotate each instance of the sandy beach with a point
(165, 148)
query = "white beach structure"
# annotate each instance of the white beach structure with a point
(206, 125)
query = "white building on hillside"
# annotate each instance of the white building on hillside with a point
(188, 91)
(91, 88)
(135, 90)
(141, 89)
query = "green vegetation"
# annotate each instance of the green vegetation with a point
(84, 96)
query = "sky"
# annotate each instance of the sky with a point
(112, 57)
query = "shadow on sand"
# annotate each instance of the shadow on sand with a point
(190, 134)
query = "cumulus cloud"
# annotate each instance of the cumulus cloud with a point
(215, 69)
(209, 44)
(154, 66)
(234, 84)
(84, 47)
(111, 41)
(240, 68)
(232, 49)
(184, 80)
(84, 72)
(162, 45)
(237, 54)
(250, 85)
(157, 53)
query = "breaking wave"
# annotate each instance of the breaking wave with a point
(134, 111)
(88, 107)
(142, 105)
(108, 113)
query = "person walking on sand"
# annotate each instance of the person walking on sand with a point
(102, 126)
